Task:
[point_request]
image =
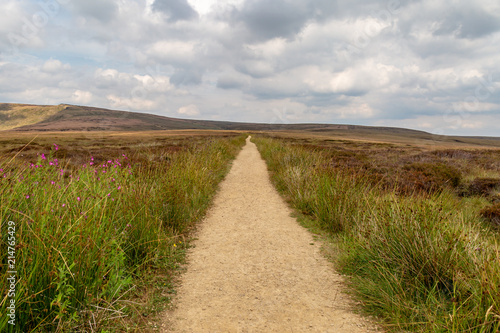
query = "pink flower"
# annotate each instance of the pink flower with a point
(64, 205)
(43, 157)
(78, 199)
(56, 146)
(27, 197)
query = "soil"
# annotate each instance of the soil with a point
(255, 269)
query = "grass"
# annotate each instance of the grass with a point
(16, 115)
(95, 223)
(419, 255)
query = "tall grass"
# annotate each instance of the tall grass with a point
(423, 262)
(85, 232)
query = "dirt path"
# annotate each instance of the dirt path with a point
(254, 269)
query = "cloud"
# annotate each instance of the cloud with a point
(101, 10)
(55, 66)
(172, 51)
(187, 76)
(419, 63)
(189, 110)
(271, 19)
(232, 81)
(176, 10)
(468, 22)
(82, 97)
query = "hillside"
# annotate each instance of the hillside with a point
(64, 118)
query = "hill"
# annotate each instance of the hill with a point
(63, 118)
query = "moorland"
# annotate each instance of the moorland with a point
(105, 202)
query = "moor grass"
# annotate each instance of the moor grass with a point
(99, 216)
(413, 228)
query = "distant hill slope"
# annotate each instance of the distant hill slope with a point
(82, 118)
(25, 118)
(18, 115)
(64, 117)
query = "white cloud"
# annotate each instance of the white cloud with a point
(130, 103)
(177, 51)
(82, 97)
(189, 110)
(55, 66)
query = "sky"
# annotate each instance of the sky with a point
(431, 65)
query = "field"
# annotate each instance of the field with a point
(414, 227)
(100, 223)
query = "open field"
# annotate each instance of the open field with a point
(103, 219)
(64, 118)
(100, 222)
(415, 227)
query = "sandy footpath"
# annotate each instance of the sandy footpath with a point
(253, 268)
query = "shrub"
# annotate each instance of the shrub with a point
(430, 177)
(483, 186)
(492, 214)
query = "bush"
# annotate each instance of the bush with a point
(492, 214)
(483, 186)
(430, 177)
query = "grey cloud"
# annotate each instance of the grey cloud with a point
(468, 23)
(187, 76)
(101, 10)
(256, 69)
(230, 82)
(280, 18)
(176, 10)
(326, 100)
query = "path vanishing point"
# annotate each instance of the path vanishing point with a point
(255, 269)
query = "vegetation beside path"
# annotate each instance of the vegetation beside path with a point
(100, 225)
(411, 229)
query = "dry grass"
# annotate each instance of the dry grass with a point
(16, 115)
